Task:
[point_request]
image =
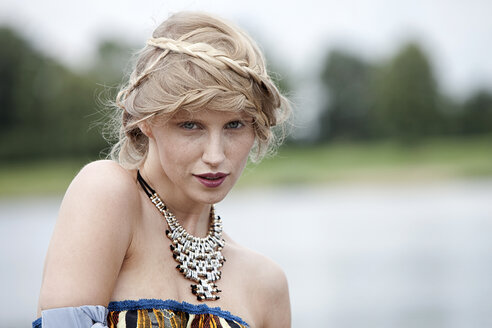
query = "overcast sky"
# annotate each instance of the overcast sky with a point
(457, 34)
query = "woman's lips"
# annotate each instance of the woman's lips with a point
(211, 180)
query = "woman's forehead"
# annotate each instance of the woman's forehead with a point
(209, 114)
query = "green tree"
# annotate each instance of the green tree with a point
(477, 113)
(46, 109)
(406, 97)
(11, 53)
(346, 82)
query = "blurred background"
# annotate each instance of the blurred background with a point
(378, 206)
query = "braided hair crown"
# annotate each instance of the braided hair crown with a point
(193, 61)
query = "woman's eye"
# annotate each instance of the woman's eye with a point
(188, 125)
(234, 125)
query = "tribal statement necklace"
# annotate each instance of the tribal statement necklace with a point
(199, 259)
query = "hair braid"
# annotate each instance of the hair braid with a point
(194, 61)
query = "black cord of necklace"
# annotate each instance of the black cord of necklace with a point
(145, 186)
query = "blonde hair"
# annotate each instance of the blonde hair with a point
(195, 61)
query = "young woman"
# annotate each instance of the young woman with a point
(137, 242)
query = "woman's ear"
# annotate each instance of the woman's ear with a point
(145, 128)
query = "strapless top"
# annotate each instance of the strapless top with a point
(155, 313)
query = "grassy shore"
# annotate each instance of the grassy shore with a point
(386, 162)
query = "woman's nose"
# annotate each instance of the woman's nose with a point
(214, 152)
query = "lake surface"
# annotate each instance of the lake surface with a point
(367, 256)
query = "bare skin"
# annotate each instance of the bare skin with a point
(109, 242)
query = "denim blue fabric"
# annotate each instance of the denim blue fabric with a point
(93, 316)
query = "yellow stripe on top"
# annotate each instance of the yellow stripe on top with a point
(143, 319)
(202, 322)
(159, 316)
(180, 323)
(213, 323)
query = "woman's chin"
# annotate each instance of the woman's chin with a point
(214, 196)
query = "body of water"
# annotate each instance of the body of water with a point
(367, 256)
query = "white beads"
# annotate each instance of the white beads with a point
(199, 258)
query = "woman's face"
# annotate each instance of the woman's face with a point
(202, 154)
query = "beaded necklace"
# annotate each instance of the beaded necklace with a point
(199, 259)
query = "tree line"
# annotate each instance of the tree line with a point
(50, 111)
(399, 98)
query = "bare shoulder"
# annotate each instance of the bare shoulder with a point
(264, 269)
(102, 191)
(104, 176)
(91, 237)
(268, 285)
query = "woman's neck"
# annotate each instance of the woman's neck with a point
(193, 216)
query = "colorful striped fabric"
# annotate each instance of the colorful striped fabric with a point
(169, 314)
(155, 313)
(158, 318)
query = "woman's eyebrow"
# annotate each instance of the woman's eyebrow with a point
(183, 118)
